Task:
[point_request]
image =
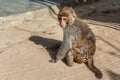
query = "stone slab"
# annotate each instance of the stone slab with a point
(12, 36)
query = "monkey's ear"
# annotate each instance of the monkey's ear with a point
(72, 11)
(74, 16)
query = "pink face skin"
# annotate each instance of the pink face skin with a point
(63, 21)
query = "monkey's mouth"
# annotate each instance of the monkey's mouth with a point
(62, 26)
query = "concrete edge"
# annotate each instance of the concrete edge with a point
(30, 15)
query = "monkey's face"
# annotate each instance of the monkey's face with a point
(66, 17)
(63, 21)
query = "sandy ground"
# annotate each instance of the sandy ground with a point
(26, 49)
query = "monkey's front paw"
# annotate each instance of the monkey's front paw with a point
(52, 61)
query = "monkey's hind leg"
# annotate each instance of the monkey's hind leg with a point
(93, 68)
(78, 59)
(70, 58)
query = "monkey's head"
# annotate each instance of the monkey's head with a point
(66, 17)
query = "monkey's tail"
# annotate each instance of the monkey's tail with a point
(96, 71)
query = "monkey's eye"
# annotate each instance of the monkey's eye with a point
(64, 19)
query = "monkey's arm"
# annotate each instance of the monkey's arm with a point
(65, 47)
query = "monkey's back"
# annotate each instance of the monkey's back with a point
(84, 43)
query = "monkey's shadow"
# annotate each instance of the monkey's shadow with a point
(51, 45)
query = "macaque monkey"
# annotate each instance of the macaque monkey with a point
(79, 43)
